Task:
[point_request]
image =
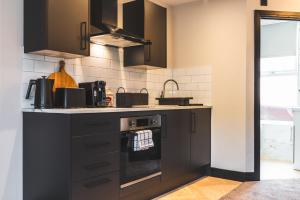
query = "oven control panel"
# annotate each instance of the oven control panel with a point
(137, 123)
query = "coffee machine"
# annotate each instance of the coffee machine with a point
(95, 93)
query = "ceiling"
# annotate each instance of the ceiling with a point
(176, 2)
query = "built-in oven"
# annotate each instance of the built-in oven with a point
(140, 149)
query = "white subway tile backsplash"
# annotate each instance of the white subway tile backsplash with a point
(184, 79)
(28, 65)
(76, 61)
(53, 59)
(44, 67)
(116, 64)
(138, 76)
(107, 64)
(33, 57)
(194, 82)
(95, 62)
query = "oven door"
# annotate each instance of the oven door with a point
(139, 165)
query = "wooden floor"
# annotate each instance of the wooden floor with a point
(205, 189)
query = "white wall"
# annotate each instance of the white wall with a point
(10, 108)
(220, 34)
(213, 34)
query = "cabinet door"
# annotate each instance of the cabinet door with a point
(68, 26)
(148, 20)
(175, 147)
(200, 138)
(156, 31)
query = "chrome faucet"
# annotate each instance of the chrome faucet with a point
(164, 90)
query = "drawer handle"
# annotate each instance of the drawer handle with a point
(97, 183)
(97, 166)
(97, 145)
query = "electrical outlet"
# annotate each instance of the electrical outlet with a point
(264, 2)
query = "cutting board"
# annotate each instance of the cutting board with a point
(62, 79)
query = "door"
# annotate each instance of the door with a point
(68, 26)
(175, 147)
(200, 139)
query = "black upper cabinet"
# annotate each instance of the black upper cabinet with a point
(56, 27)
(147, 20)
(104, 12)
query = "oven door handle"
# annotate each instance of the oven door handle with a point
(141, 180)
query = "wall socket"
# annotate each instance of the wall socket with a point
(264, 2)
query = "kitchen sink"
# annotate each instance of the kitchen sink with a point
(180, 101)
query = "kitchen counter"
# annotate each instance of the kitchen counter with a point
(113, 110)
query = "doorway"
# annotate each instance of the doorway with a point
(277, 87)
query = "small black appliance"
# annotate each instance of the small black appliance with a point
(95, 93)
(44, 97)
(70, 98)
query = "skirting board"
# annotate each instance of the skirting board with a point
(233, 175)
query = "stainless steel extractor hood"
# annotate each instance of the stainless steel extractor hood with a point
(113, 36)
(103, 27)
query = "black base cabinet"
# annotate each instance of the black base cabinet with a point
(186, 146)
(175, 148)
(77, 157)
(71, 157)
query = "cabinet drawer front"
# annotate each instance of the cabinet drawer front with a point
(90, 146)
(102, 187)
(97, 165)
(144, 190)
(93, 124)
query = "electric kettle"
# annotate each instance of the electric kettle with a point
(44, 96)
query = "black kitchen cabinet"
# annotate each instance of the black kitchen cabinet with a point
(77, 156)
(200, 140)
(147, 20)
(175, 148)
(186, 148)
(71, 157)
(56, 28)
